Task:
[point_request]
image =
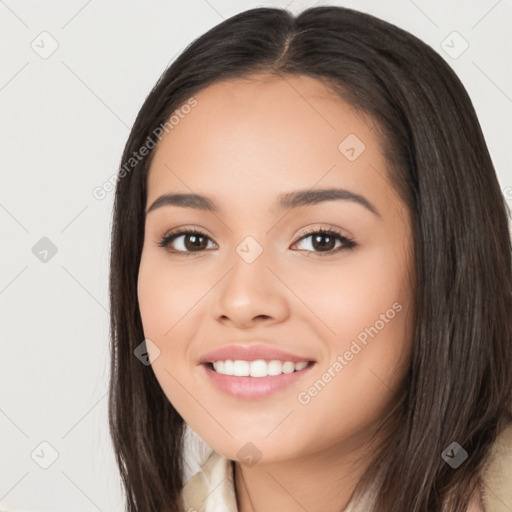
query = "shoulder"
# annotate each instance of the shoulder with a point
(496, 475)
(211, 488)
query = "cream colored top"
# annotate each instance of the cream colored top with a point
(212, 488)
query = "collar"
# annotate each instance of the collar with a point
(211, 489)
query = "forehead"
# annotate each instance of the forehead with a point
(267, 131)
(264, 87)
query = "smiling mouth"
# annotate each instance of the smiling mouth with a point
(256, 379)
(258, 368)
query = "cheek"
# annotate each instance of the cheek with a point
(352, 295)
(167, 297)
(172, 297)
(366, 305)
(363, 312)
(166, 294)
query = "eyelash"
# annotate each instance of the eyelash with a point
(348, 243)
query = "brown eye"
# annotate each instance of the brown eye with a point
(185, 241)
(324, 241)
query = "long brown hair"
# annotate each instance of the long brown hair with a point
(459, 385)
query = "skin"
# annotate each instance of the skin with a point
(246, 142)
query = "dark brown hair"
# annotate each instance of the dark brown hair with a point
(459, 385)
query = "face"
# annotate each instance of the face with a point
(319, 283)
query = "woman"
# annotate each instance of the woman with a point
(342, 338)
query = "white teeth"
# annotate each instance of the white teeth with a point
(258, 368)
(274, 368)
(228, 367)
(288, 367)
(241, 368)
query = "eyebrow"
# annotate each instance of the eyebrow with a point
(288, 200)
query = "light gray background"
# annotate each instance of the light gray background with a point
(64, 121)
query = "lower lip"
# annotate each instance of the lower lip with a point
(254, 387)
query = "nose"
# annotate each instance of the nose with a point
(249, 294)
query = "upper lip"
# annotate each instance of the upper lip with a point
(250, 353)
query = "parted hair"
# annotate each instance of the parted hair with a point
(459, 385)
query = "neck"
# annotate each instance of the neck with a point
(322, 481)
